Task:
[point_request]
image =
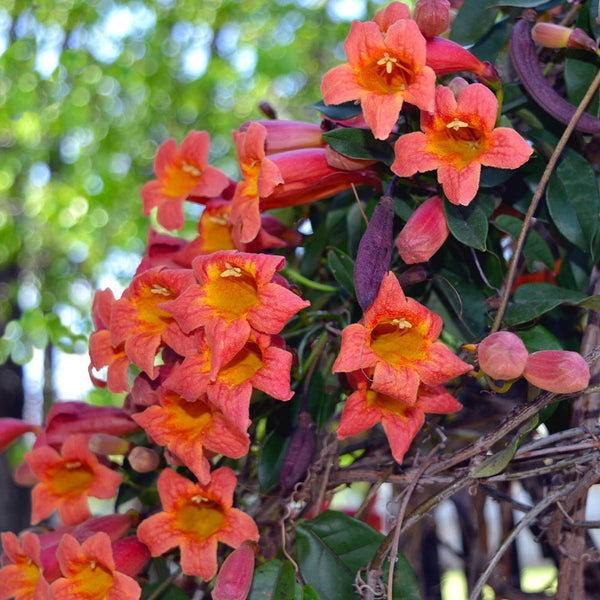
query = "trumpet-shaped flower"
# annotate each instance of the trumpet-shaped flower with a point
(181, 173)
(457, 139)
(393, 12)
(139, 323)
(383, 71)
(196, 517)
(187, 428)
(89, 572)
(65, 419)
(235, 296)
(282, 179)
(67, 479)
(401, 422)
(397, 338)
(21, 577)
(259, 364)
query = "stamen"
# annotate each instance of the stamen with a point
(231, 271)
(191, 169)
(402, 323)
(159, 289)
(73, 465)
(197, 499)
(388, 61)
(93, 565)
(456, 124)
(218, 220)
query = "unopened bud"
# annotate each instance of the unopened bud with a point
(12, 429)
(457, 85)
(143, 460)
(558, 371)
(235, 575)
(345, 163)
(432, 16)
(551, 35)
(106, 444)
(266, 108)
(130, 555)
(424, 233)
(502, 355)
(23, 475)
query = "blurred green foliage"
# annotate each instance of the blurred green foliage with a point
(88, 91)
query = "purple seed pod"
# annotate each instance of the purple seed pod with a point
(300, 452)
(525, 61)
(374, 253)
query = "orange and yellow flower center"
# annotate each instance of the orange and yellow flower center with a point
(398, 342)
(181, 178)
(232, 292)
(70, 478)
(200, 516)
(386, 75)
(93, 581)
(193, 417)
(216, 231)
(386, 403)
(147, 305)
(458, 142)
(243, 365)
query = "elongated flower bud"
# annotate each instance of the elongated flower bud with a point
(300, 452)
(12, 429)
(558, 371)
(551, 35)
(502, 355)
(432, 16)
(143, 460)
(424, 233)
(374, 253)
(235, 575)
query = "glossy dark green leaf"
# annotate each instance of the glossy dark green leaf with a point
(468, 224)
(573, 200)
(270, 459)
(523, 3)
(333, 547)
(276, 580)
(534, 299)
(539, 338)
(171, 592)
(338, 112)
(535, 250)
(310, 593)
(474, 19)
(359, 143)
(579, 74)
(342, 269)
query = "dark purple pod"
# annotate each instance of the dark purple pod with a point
(300, 452)
(374, 253)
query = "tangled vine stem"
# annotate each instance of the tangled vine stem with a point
(512, 269)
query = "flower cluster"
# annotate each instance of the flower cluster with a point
(199, 342)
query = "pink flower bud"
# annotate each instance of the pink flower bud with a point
(143, 460)
(424, 233)
(502, 355)
(12, 429)
(130, 555)
(551, 35)
(432, 16)
(235, 575)
(105, 444)
(558, 371)
(23, 475)
(283, 136)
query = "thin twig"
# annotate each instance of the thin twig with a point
(522, 524)
(535, 201)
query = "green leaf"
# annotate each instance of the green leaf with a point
(536, 249)
(276, 580)
(270, 460)
(342, 269)
(534, 299)
(539, 338)
(171, 592)
(310, 593)
(333, 547)
(521, 3)
(338, 112)
(287, 587)
(573, 201)
(359, 143)
(474, 19)
(499, 460)
(468, 224)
